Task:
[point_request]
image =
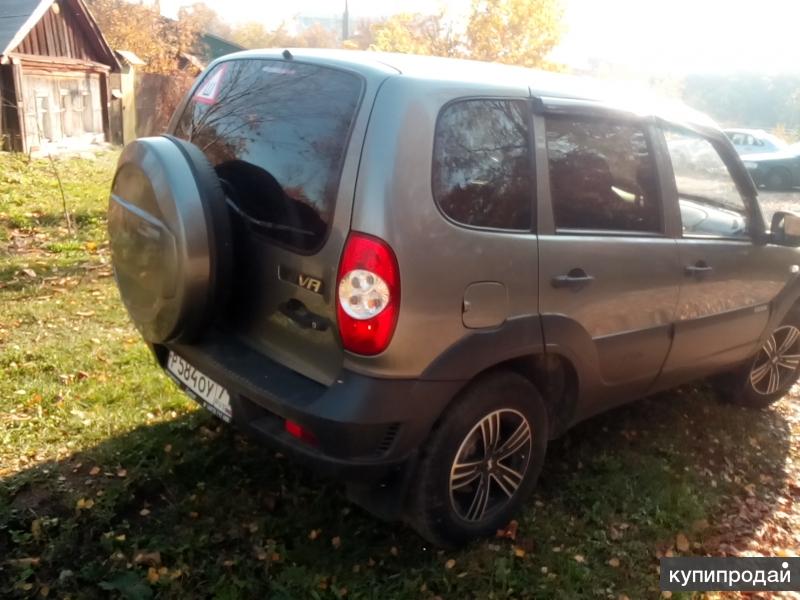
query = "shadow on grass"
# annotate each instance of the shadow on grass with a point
(59, 266)
(80, 218)
(188, 508)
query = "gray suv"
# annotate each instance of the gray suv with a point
(415, 272)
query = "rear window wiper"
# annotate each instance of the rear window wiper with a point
(267, 225)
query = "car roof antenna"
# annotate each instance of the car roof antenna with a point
(287, 55)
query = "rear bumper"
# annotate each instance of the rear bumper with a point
(369, 429)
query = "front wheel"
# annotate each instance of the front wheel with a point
(772, 372)
(779, 179)
(481, 462)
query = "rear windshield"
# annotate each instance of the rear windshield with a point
(276, 133)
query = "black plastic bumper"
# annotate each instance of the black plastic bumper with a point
(368, 429)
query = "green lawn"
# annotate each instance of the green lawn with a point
(114, 484)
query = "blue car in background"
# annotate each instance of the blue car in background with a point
(755, 141)
(775, 170)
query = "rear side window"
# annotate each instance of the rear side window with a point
(710, 202)
(482, 164)
(602, 176)
(277, 134)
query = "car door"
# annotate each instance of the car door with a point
(608, 263)
(729, 274)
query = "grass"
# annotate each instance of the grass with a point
(112, 483)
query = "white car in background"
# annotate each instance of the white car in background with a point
(755, 141)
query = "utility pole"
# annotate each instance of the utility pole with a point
(345, 22)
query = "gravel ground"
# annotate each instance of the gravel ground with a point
(774, 201)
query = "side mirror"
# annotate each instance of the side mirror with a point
(785, 229)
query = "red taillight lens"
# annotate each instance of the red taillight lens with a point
(301, 433)
(368, 294)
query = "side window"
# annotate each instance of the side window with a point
(482, 165)
(710, 202)
(602, 176)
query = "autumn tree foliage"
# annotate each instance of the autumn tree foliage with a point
(518, 32)
(253, 34)
(142, 30)
(418, 34)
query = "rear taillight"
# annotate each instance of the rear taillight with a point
(368, 294)
(301, 433)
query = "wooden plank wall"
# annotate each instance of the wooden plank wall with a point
(59, 35)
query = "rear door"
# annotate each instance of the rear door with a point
(608, 267)
(729, 274)
(284, 137)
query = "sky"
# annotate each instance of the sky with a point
(659, 36)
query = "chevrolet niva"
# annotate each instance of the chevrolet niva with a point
(414, 272)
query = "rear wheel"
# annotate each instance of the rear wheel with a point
(779, 179)
(482, 462)
(771, 373)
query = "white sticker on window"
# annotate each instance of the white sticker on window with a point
(207, 94)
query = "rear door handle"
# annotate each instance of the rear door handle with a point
(698, 268)
(576, 278)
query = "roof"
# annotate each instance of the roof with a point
(18, 17)
(217, 46)
(130, 57)
(546, 84)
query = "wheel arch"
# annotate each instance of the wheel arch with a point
(517, 346)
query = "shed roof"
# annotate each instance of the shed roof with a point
(18, 17)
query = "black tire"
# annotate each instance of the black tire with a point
(436, 511)
(752, 386)
(779, 179)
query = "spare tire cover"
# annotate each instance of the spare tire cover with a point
(169, 230)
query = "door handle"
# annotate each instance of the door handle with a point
(576, 278)
(699, 268)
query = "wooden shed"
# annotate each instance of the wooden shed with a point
(54, 75)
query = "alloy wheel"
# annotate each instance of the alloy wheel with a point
(777, 361)
(490, 464)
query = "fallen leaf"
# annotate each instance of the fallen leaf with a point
(144, 512)
(152, 575)
(579, 558)
(36, 529)
(336, 542)
(152, 559)
(682, 543)
(122, 473)
(510, 531)
(94, 471)
(613, 562)
(519, 552)
(450, 563)
(84, 504)
(30, 561)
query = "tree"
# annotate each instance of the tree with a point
(517, 32)
(417, 34)
(142, 30)
(206, 18)
(254, 35)
(362, 36)
(316, 36)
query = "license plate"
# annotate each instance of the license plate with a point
(202, 388)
